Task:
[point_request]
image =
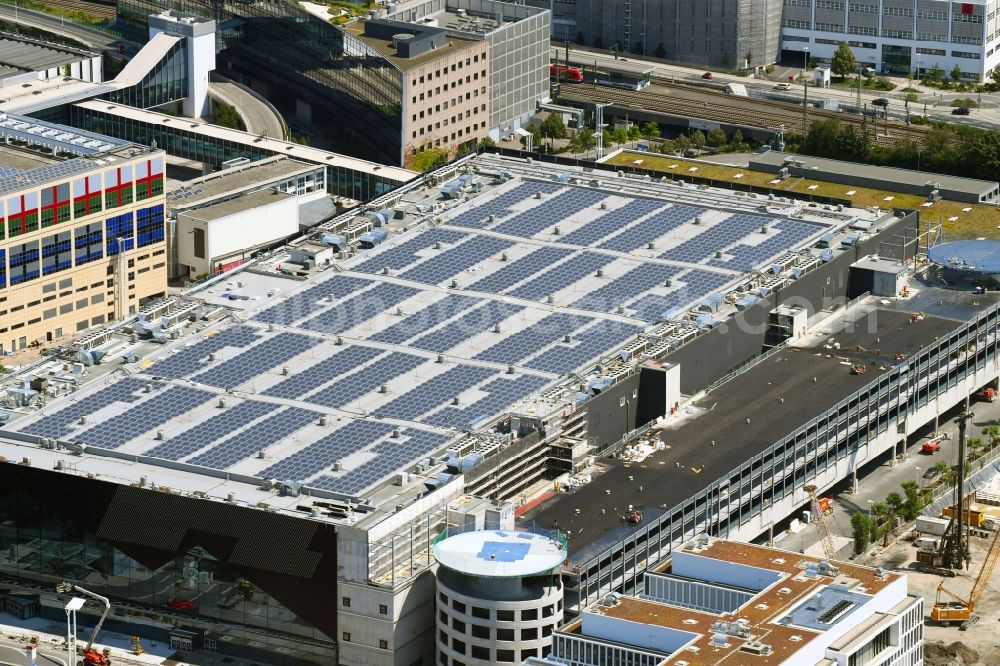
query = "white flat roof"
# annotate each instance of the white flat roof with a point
(276, 146)
(500, 553)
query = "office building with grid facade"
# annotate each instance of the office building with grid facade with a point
(81, 231)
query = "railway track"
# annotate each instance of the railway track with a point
(683, 101)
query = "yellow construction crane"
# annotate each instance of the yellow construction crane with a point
(819, 518)
(960, 610)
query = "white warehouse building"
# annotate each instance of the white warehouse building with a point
(897, 36)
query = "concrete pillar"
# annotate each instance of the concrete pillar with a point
(854, 481)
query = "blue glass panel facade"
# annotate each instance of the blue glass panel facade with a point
(149, 225)
(120, 233)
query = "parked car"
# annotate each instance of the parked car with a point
(932, 474)
(707, 76)
(783, 86)
(881, 101)
(960, 111)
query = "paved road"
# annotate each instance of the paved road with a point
(14, 654)
(886, 478)
(90, 37)
(256, 114)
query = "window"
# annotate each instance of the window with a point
(383, 644)
(929, 37)
(458, 605)
(505, 615)
(346, 636)
(383, 609)
(199, 253)
(858, 8)
(88, 241)
(480, 631)
(120, 234)
(966, 54)
(458, 646)
(832, 5)
(457, 625)
(149, 225)
(548, 611)
(529, 634)
(897, 34)
(505, 634)
(480, 652)
(344, 601)
(56, 253)
(505, 655)
(23, 263)
(829, 27)
(869, 31)
(481, 612)
(22, 214)
(55, 205)
(898, 11)
(932, 15)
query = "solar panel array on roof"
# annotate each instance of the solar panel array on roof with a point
(261, 435)
(502, 391)
(359, 308)
(620, 290)
(190, 360)
(352, 386)
(409, 252)
(654, 227)
(477, 216)
(272, 352)
(467, 326)
(324, 372)
(301, 305)
(524, 343)
(145, 416)
(425, 319)
(612, 222)
(217, 427)
(568, 356)
(57, 424)
(570, 271)
(549, 212)
(436, 391)
(454, 261)
(530, 265)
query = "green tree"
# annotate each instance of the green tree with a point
(992, 431)
(486, 142)
(429, 159)
(843, 61)
(668, 147)
(895, 503)
(956, 73)
(536, 136)
(737, 141)
(615, 136)
(942, 466)
(651, 131)
(994, 74)
(553, 127)
(698, 139)
(935, 73)
(225, 115)
(634, 132)
(583, 141)
(717, 137)
(862, 528)
(974, 444)
(914, 500)
(67, 70)
(683, 144)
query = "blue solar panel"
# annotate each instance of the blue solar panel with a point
(790, 233)
(655, 227)
(143, 417)
(717, 237)
(263, 434)
(611, 222)
(434, 392)
(501, 205)
(569, 271)
(636, 281)
(467, 326)
(192, 359)
(690, 288)
(273, 352)
(320, 455)
(584, 347)
(549, 212)
(354, 311)
(404, 254)
(366, 380)
(536, 262)
(324, 372)
(57, 425)
(426, 318)
(216, 427)
(526, 342)
(304, 303)
(501, 392)
(453, 261)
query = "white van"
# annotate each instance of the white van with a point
(783, 86)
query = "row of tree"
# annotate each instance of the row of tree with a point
(958, 150)
(844, 63)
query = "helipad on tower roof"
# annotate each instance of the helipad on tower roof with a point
(500, 554)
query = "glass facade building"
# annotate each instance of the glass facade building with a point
(167, 82)
(306, 65)
(222, 585)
